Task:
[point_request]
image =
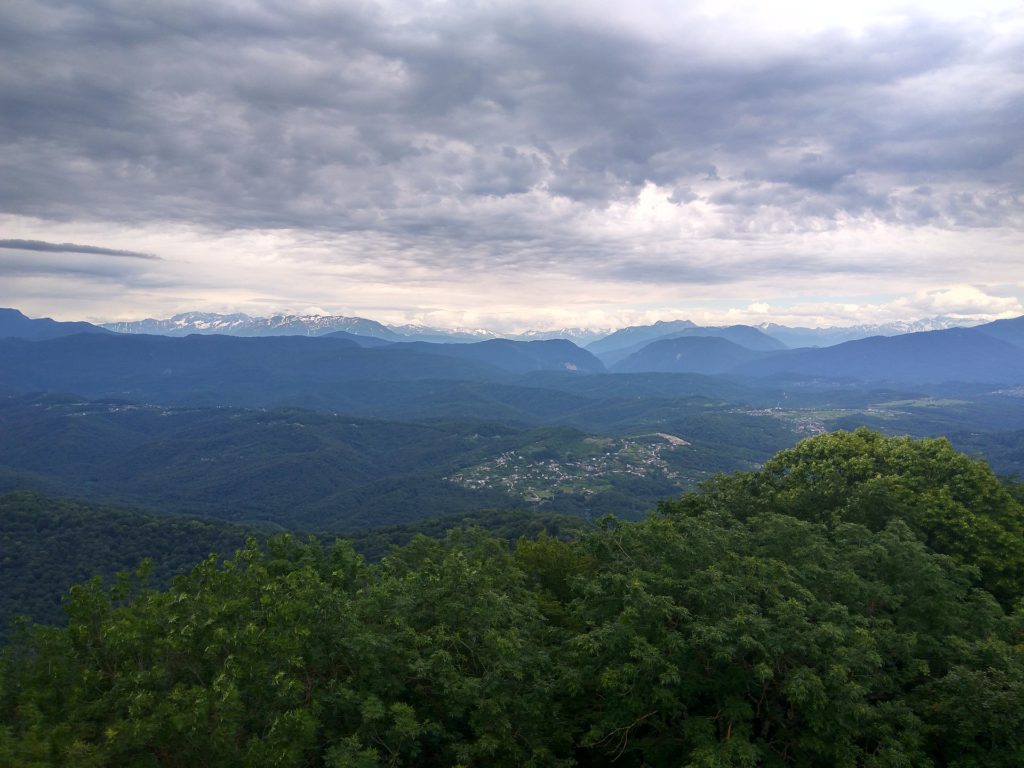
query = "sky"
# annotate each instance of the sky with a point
(513, 165)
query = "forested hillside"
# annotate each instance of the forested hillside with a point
(297, 469)
(306, 470)
(47, 545)
(855, 602)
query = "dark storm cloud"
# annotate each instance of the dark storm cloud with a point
(33, 259)
(40, 245)
(484, 125)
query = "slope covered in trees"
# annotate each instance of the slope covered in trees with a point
(297, 469)
(305, 470)
(820, 612)
(47, 545)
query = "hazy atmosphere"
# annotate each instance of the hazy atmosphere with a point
(513, 164)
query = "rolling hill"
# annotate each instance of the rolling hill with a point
(292, 468)
(742, 335)
(687, 354)
(517, 356)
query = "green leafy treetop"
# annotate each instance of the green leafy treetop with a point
(954, 503)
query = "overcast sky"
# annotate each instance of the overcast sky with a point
(513, 164)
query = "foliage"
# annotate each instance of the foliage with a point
(1015, 488)
(766, 622)
(508, 525)
(291, 657)
(47, 545)
(954, 503)
(1003, 450)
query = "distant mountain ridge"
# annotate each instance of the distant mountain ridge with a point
(745, 336)
(688, 354)
(579, 336)
(989, 353)
(417, 332)
(953, 354)
(240, 324)
(636, 334)
(1011, 330)
(602, 342)
(255, 371)
(831, 335)
(13, 324)
(517, 356)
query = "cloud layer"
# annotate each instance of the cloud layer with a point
(40, 245)
(439, 145)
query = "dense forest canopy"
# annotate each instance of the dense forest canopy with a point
(49, 544)
(855, 602)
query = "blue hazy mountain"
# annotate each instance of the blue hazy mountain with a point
(687, 354)
(369, 342)
(993, 352)
(828, 336)
(744, 335)
(202, 368)
(1011, 331)
(197, 368)
(13, 324)
(508, 354)
(637, 334)
(955, 354)
(260, 370)
(517, 356)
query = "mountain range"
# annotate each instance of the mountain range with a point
(992, 352)
(597, 340)
(243, 325)
(239, 324)
(89, 359)
(954, 354)
(831, 335)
